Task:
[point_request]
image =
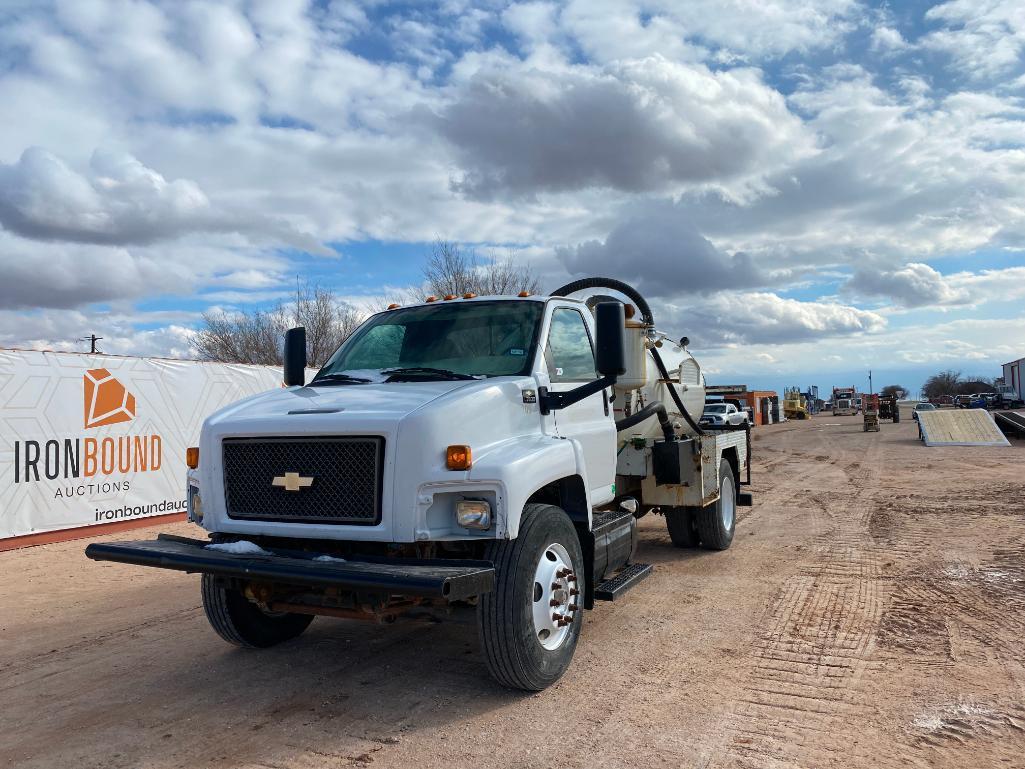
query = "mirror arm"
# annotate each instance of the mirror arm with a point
(549, 401)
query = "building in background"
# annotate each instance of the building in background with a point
(763, 405)
(1012, 377)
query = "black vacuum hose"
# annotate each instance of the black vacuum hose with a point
(647, 317)
(615, 285)
(655, 408)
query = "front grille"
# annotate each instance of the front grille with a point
(346, 473)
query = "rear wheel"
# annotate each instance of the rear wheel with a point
(717, 522)
(530, 624)
(682, 528)
(241, 622)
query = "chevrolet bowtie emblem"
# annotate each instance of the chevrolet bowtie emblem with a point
(292, 481)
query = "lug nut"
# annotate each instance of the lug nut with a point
(553, 602)
(574, 591)
(557, 618)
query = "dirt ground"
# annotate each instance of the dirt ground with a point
(869, 614)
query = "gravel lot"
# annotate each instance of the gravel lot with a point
(870, 613)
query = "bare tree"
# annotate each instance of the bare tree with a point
(943, 383)
(891, 390)
(453, 269)
(255, 337)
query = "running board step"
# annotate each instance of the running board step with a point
(611, 589)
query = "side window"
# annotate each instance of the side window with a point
(569, 354)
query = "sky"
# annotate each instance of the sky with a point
(807, 189)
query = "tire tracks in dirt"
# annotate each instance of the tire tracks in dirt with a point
(818, 633)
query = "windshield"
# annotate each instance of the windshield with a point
(925, 406)
(716, 408)
(470, 338)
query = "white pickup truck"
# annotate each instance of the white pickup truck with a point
(718, 414)
(489, 453)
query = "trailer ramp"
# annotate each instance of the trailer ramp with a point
(1011, 420)
(960, 427)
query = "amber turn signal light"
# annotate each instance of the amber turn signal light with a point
(458, 458)
(393, 305)
(469, 295)
(192, 457)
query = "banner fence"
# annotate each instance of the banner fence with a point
(99, 439)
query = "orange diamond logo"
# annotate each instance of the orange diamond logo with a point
(107, 402)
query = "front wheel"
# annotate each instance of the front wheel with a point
(530, 624)
(241, 622)
(717, 522)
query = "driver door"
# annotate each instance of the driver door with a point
(569, 357)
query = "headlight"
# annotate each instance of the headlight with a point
(473, 514)
(195, 505)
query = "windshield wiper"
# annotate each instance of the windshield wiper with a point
(425, 372)
(338, 379)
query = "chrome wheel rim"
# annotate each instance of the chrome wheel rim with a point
(555, 597)
(727, 503)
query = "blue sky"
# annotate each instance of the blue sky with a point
(806, 189)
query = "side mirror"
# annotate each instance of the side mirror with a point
(610, 323)
(295, 356)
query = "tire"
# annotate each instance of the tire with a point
(716, 523)
(680, 522)
(241, 622)
(896, 416)
(517, 653)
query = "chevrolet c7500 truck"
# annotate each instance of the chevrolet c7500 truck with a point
(484, 452)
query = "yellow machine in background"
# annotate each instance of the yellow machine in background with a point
(794, 406)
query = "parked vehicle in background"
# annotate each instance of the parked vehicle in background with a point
(920, 407)
(723, 414)
(888, 408)
(844, 401)
(794, 405)
(1007, 398)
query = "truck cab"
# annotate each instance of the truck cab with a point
(457, 453)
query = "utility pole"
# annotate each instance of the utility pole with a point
(870, 390)
(92, 339)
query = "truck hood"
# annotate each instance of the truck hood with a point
(393, 400)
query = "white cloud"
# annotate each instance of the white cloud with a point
(648, 124)
(119, 202)
(985, 38)
(660, 252)
(611, 29)
(68, 275)
(919, 285)
(62, 330)
(762, 318)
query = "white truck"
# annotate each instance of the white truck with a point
(718, 414)
(483, 453)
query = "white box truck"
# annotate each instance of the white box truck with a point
(489, 453)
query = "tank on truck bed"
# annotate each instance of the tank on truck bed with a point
(485, 453)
